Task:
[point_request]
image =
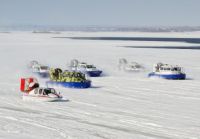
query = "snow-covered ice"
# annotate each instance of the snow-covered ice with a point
(120, 105)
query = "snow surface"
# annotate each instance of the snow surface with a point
(119, 105)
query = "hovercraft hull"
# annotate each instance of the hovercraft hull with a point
(94, 73)
(85, 84)
(168, 76)
(26, 97)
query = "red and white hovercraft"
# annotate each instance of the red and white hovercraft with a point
(32, 92)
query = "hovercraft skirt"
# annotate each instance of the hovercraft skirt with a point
(168, 76)
(94, 73)
(85, 84)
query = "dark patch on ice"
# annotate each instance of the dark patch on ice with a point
(63, 100)
(165, 47)
(96, 87)
(103, 74)
(99, 135)
(162, 39)
(189, 79)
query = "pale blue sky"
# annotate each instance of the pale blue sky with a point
(100, 12)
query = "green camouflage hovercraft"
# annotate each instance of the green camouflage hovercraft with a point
(71, 79)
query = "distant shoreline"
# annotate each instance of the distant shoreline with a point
(93, 28)
(164, 47)
(159, 39)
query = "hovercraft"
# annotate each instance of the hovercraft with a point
(129, 67)
(32, 92)
(41, 70)
(167, 71)
(85, 68)
(70, 79)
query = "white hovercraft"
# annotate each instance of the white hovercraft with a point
(85, 68)
(167, 71)
(129, 67)
(43, 95)
(41, 70)
(32, 92)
